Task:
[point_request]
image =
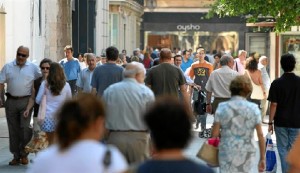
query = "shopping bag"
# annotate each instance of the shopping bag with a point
(209, 151)
(38, 141)
(271, 165)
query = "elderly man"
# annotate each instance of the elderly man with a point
(126, 102)
(85, 76)
(165, 78)
(263, 62)
(218, 83)
(19, 76)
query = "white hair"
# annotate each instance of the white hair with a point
(133, 68)
(262, 58)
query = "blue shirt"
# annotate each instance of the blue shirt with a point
(186, 64)
(71, 68)
(105, 75)
(84, 80)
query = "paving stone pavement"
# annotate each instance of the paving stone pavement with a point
(190, 151)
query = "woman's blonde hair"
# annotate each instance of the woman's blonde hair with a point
(241, 86)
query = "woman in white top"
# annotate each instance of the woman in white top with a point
(79, 129)
(57, 90)
(258, 92)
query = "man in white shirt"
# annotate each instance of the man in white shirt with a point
(263, 62)
(218, 83)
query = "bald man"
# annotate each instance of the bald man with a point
(166, 79)
(19, 76)
(126, 102)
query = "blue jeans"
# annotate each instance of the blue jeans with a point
(285, 138)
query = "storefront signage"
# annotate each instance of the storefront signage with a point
(189, 27)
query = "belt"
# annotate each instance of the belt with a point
(16, 97)
(129, 131)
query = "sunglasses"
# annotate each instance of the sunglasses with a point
(45, 68)
(22, 55)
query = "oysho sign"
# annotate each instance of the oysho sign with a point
(189, 27)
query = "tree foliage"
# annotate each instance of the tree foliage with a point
(286, 13)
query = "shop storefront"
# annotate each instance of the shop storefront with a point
(190, 30)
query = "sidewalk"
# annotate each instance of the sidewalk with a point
(191, 151)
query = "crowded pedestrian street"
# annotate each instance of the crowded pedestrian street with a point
(190, 151)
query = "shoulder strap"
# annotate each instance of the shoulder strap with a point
(236, 66)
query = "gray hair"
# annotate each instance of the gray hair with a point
(89, 56)
(225, 59)
(262, 58)
(133, 68)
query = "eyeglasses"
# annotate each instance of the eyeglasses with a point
(22, 55)
(45, 68)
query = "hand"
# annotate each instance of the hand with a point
(208, 108)
(261, 165)
(270, 129)
(26, 113)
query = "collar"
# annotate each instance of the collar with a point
(129, 79)
(15, 62)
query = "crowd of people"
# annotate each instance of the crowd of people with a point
(116, 113)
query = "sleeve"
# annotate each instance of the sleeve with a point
(293, 156)
(79, 80)
(272, 93)
(191, 74)
(94, 79)
(208, 85)
(3, 75)
(118, 161)
(210, 69)
(40, 94)
(148, 79)
(182, 80)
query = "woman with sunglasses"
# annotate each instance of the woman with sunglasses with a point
(57, 90)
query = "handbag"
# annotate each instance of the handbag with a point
(38, 141)
(42, 109)
(209, 151)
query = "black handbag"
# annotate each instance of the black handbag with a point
(199, 104)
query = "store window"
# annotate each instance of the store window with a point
(114, 29)
(291, 44)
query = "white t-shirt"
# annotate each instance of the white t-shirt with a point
(85, 156)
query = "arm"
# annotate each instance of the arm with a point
(208, 102)
(30, 103)
(261, 83)
(186, 99)
(216, 130)
(261, 144)
(94, 91)
(273, 107)
(1, 92)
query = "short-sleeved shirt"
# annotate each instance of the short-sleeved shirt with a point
(165, 79)
(19, 80)
(105, 75)
(71, 68)
(219, 81)
(173, 166)
(201, 72)
(84, 80)
(285, 91)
